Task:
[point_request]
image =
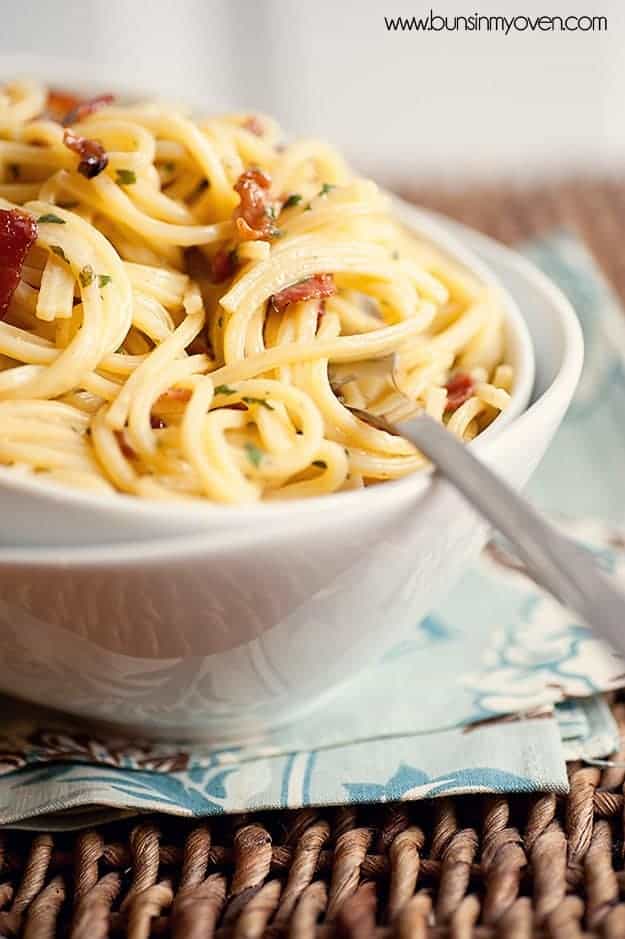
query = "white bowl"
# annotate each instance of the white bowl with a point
(37, 512)
(223, 634)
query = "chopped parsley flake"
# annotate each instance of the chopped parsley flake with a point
(320, 463)
(104, 279)
(326, 188)
(169, 167)
(51, 219)
(294, 199)
(126, 177)
(225, 390)
(86, 275)
(249, 400)
(271, 212)
(58, 250)
(254, 453)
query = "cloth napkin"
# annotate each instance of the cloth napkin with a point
(491, 693)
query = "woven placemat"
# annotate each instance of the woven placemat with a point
(471, 867)
(595, 209)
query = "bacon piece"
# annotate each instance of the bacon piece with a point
(68, 108)
(253, 217)
(224, 265)
(254, 125)
(459, 389)
(124, 446)
(316, 287)
(60, 103)
(176, 394)
(237, 406)
(321, 312)
(18, 233)
(93, 156)
(82, 109)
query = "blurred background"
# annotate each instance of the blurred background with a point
(408, 107)
(512, 134)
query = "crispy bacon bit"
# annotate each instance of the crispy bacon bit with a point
(124, 446)
(237, 406)
(60, 103)
(459, 389)
(176, 394)
(201, 345)
(254, 125)
(373, 420)
(224, 265)
(18, 233)
(254, 216)
(81, 110)
(312, 288)
(321, 312)
(93, 157)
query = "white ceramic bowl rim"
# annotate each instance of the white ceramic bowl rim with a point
(129, 505)
(189, 545)
(93, 77)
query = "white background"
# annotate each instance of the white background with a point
(406, 106)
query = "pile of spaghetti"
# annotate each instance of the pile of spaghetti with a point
(194, 308)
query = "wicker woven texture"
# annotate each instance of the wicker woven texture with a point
(595, 209)
(459, 868)
(472, 867)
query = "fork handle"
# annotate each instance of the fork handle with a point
(567, 571)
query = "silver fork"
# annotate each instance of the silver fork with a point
(567, 571)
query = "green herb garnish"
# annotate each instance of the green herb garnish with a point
(86, 275)
(254, 453)
(58, 250)
(126, 177)
(51, 219)
(320, 464)
(294, 199)
(104, 279)
(225, 390)
(169, 167)
(250, 400)
(326, 188)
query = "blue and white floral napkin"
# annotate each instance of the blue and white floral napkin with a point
(498, 688)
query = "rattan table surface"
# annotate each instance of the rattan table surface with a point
(472, 867)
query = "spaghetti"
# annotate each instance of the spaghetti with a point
(202, 311)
